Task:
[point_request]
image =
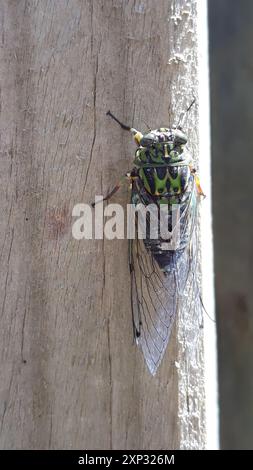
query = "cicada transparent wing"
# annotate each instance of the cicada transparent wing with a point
(162, 280)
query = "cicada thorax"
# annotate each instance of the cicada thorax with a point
(163, 162)
(166, 181)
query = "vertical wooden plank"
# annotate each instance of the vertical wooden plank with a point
(71, 376)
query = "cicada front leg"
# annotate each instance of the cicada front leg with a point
(127, 178)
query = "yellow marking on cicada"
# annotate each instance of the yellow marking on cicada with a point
(137, 135)
(166, 154)
(199, 189)
(197, 181)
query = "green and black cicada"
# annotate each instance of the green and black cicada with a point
(163, 276)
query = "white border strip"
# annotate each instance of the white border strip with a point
(210, 346)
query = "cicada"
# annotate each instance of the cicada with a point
(163, 275)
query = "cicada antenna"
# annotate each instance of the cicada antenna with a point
(136, 134)
(123, 126)
(183, 115)
(170, 109)
(149, 128)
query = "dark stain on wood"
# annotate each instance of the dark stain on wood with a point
(58, 222)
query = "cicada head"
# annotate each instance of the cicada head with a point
(172, 136)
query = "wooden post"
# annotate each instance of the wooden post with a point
(70, 374)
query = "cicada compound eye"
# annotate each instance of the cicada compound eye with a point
(149, 139)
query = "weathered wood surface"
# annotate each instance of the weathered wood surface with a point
(70, 375)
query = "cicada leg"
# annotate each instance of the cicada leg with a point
(197, 182)
(127, 178)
